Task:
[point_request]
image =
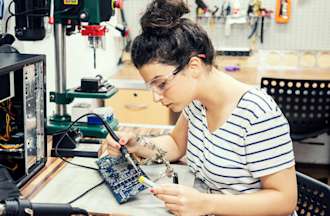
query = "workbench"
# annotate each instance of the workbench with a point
(73, 181)
(59, 182)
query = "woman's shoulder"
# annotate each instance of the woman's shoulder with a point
(256, 104)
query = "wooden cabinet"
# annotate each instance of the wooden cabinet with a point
(137, 106)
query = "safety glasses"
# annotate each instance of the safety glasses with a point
(162, 83)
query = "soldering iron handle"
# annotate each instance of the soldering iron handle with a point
(123, 149)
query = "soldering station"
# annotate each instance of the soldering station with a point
(58, 110)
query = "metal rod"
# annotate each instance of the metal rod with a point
(60, 65)
(94, 56)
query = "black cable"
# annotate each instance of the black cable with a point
(65, 160)
(110, 131)
(58, 132)
(107, 127)
(9, 7)
(10, 16)
(27, 11)
(86, 192)
(7, 21)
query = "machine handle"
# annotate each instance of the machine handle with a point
(51, 13)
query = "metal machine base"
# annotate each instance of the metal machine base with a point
(82, 150)
(87, 130)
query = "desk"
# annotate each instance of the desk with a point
(59, 182)
(73, 180)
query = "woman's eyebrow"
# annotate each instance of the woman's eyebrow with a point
(157, 76)
(153, 79)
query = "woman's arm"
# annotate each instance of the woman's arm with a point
(174, 144)
(277, 197)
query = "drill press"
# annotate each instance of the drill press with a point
(68, 17)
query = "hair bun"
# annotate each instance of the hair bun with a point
(162, 16)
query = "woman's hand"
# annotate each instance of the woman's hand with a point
(128, 139)
(181, 200)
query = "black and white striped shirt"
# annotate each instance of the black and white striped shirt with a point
(253, 142)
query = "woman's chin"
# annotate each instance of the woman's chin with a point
(175, 108)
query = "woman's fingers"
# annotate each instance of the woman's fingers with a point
(112, 142)
(169, 199)
(113, 152)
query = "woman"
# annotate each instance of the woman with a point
(236, 139)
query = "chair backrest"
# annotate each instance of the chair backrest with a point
(305, 103)
(313, 197)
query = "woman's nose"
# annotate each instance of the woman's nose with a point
(156, 96)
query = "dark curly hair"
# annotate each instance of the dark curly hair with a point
(168, 38)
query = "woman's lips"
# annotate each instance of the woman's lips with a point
(167, 105)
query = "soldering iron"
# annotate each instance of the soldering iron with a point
(123, 149)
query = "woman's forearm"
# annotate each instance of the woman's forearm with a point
(166, 143)
(263, 203)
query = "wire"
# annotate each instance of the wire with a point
(9, 168)
(65, 160)
(110, 131)
(26, 11)
(7, 147)
(79, 165)
(9, 7)
(29, 13)
(86, 192)
(7, 135)
(7, 21)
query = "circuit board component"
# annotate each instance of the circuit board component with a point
(121, 177)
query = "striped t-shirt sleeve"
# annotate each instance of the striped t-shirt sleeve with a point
(268, 144)
(185, 112)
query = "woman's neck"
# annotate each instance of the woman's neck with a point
(218, 90)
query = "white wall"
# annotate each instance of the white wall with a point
(79, 55)
(308, 28)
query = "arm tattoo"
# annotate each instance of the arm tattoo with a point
(159, 157)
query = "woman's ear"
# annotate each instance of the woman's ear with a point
(195, 67)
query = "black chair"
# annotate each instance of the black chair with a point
(313, 197)
(305, 103)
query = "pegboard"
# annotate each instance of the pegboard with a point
(308, 28)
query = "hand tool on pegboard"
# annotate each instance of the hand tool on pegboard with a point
(256, 14)
(283, 11)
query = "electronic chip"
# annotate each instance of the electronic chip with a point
(121, 177)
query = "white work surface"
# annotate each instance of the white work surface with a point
(73, 181)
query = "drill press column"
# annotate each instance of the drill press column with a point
(60, 65)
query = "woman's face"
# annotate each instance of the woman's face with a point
(174, 89)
